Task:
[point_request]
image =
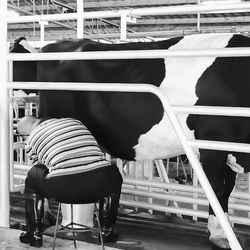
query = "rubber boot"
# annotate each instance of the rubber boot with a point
(108, 210)
(34, 213)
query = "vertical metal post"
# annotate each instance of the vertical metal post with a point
(198, 18)
(11, 133)
(80, 19)
(248, 185)
(34, 23)
(193, 159)
(42, 29)
(123, 28)
(195, 195)
(150, 166)
(4, 122)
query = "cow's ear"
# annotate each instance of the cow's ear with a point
(18, 40)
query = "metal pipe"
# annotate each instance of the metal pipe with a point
(123, 27)
(4, 122)
(198, 18)
(20, 176)
(80, 19)
(209, 192)
(176, 197)
(213, 110)
(233, 241)
(178, 187)
(164, 196)
(166, 209)
(22, 167)
(240, 220)
(42, 29)
(219, 145)
(151, 11)
(189, 212)
(173, 196)
(134, 54)
(178, 129)
(11, 148)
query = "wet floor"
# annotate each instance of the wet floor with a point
(138, 233)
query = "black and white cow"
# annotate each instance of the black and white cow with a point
(134, 126)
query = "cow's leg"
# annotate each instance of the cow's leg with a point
(222, 180)
(230, 177)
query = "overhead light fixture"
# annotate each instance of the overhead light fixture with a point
(219, 2)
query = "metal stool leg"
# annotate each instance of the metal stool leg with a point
(99, 225)
(56, 226)
(72, 225)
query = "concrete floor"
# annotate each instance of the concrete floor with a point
(9, 241)
(136, 233)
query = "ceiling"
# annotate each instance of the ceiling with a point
(146, 27)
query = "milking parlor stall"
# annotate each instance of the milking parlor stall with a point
(172, 190)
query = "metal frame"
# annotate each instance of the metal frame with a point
(178, 129)
(4, 118)
(4, 123)
(184, 9)
(124, 33)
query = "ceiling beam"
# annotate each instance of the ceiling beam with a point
(117, 3)
(144, 25)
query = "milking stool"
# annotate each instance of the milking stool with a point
(71, 225)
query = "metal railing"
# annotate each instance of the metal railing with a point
(5, 132)
(178, 129)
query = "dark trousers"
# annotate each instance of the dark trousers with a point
(86, 187)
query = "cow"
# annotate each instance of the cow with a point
(134, 126)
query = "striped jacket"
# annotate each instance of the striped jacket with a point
(65, 146)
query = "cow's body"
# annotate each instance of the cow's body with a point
(133, 125)
(135, 121)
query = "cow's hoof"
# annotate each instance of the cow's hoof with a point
(220, 243)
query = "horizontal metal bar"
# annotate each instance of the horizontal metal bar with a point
(25, 99)
(150, 11)
(192, 158)
(213, 110)
(128, 54)
(75, 86)
(164, 208)
(18, 145)
(19, 176)
(183, 211)
(219, 145)
(145, 193)
(23, 167)
(179, 198)
(165, 196)
(17, 188)
(173, 186)
(237, 206)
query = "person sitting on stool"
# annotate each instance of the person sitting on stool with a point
(70, 167)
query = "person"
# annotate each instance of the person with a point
(68, 166)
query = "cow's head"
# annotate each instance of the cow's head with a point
(21, 45)
(24, 71)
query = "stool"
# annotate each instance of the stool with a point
(72, 223)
